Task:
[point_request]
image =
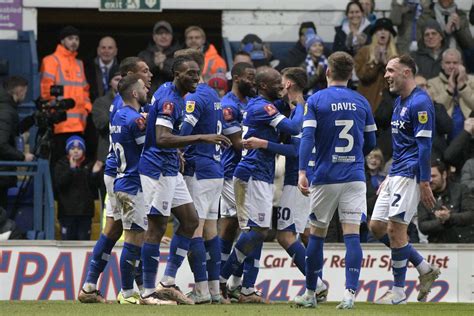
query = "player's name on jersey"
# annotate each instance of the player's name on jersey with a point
(114, 129)
(343, 106)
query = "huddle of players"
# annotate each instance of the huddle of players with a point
(328, 137)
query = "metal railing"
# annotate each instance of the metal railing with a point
(43, 200)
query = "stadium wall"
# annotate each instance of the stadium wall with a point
(50, 270)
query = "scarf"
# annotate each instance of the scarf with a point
(311, 67)
(442, 16)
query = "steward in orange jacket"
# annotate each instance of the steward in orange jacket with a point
(62, 68)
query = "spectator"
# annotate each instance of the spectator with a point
(213, 63)
(454, 89)
(369, 7)
(315, 63)
(242, 57)
(404, 15)
(452, 219)
(159, 53)
(75, 183)
(62, 68)
(375, 164)
(259, 51)
(354, 31)
(461, 148)
(298, 53)
(218, 82)
(98, 71)
(443, 124)
(430, 48)
(383, 120)
(370, 61)
(453, 22)
(13, 92)
(467, 174)
(101, 117)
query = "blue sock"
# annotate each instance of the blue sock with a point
(100, 257)
(297, 252)
(251, 267)
(139, 274)
(150, 259)
(128, 263)
(179, 248)
(399, 264)
(353, 260)
(314, 261)
(213, 258)
(239, 271)
(244, 246)
(197, 254)
(415, 257)
(226, 249)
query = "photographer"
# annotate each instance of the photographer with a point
(12, 94)
(453, 88)
(452, 218)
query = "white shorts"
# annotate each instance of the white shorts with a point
(398, 200)
(349, 198)
(205, 194)
(254, 202)
(164, 194)
(294, 209)
(111, 209)
(228, 208)
(133, 210)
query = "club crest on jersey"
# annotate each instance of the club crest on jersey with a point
(270, 109)
(423, 117)
(168, 107)
(227, 113)
(140, 123)
(190, 106)
(305, 108)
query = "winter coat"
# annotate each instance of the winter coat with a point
(101, 119)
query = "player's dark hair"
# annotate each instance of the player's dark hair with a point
(341, 65)
(242, 52)
(239, 69)
(408, 61)
(178, 61)
(126, 86)
(192, 53)
(14, 81)
(129, 64)
(439, 164)
(297, 75)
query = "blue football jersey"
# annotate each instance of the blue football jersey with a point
(232, 110)
(111, 163)
(167, 109)
(128, 135)
(412, 117)
(339, 116)
(260, 120)
(203, 111)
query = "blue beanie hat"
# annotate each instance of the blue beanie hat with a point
(75, 141)
(311, 38)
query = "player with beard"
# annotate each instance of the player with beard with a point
(113, 224)
(253, 178)
(233, 107)
(163, 186)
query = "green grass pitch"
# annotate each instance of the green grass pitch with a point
(62, 308)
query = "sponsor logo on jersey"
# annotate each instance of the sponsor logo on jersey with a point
(270, 109)
(168, 107)
(423, 117)
(141, 123)
(190, 106)
(228, 115)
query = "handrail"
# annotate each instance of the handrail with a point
(43, 201)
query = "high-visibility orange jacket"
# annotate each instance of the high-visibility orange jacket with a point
(62, 68)
(213, 63)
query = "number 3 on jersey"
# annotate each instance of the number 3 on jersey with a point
(120, 154)
(344, 134)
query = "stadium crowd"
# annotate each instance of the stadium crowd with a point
(89, 149)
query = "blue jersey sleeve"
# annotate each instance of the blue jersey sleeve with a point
(422, 116)
(288, 150)
(168, 113)
(307, 139)
(192, 114)
(369, 131)
(231, 123)
(293, 126)
(138, 129)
